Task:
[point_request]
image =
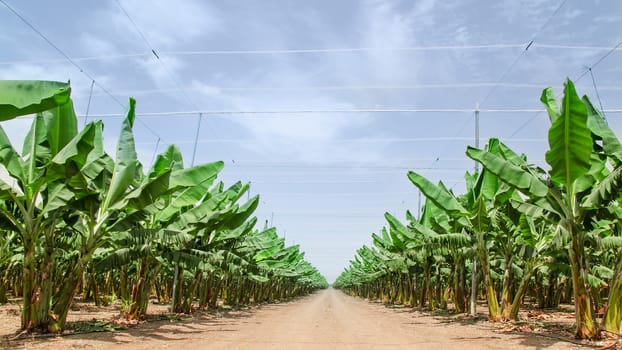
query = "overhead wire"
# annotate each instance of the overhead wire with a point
(275, 112)
(600, 60)
(342, 88)
(244, 52)
(310, 51)
(406, 48)
(600, 102)
(524, 51)
(500, 80)
(88, 104)
(342, 50)
(173, 78)
(156, 55)
(177, 83)
(576, 80)
(69, 59)
(363, 140)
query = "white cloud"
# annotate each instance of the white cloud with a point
(527, 12)
(306, 137)
(165, 23)
(96, 46)
(26, 71)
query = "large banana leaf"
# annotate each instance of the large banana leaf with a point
(436, 194)
(509, 173)
(97, 161)
(148, 192)
(68, 162)
(200, 213)
(8, 184)
(396, 225)
(35, 148)
(22, 97)
(126, 161)
(550, 103)
(570, 139)
(598, 126)
(9, 157)
(62, 126)
(58, 196)
(196, 175)
(242, 214)
(231, 235)
(185, 198)
(169, 159)
(605, 191)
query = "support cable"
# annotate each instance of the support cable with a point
(600, 103)
(274, 112)
(70, 60)
(155, 151)
(170, 74)
(524, 51)
(313, 51)
(588, 70)
(88, 104)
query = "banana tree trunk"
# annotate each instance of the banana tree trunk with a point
(491, 294)
(507, 283)
(176, 302)
(426, 284)
(64, 296)
(3, 298)
(37, 286)
(29, 319)
(474, 283)
(611, 321)
(530, 269)
(458, 283)
(586, 327)
(216, 286)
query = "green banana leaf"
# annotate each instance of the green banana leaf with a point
(550, 103)
(436, 194)
(597, 124)
(396, 225)
(509, 173)
(62, 126)
(570, 139)
(9, 157)
(126, 161)
(23, 97)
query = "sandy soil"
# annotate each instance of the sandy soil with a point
(325, 320)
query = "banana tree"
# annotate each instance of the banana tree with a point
(475, 220)
(443, 230)
(39, 185)
(611, 244)
(535, 238)
(578, 184)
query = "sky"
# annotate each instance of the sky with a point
(342, 98)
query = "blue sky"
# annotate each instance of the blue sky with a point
(325, 178)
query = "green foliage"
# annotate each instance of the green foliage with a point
(530, 231)
(76, 214)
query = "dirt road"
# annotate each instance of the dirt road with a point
(325, 320)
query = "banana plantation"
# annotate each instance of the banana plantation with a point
(519, 234)
(78, 222)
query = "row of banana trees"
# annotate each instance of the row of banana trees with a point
(78, 222)
(518, 233)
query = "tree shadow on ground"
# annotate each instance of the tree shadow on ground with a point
(162, 327)
(554, 334)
